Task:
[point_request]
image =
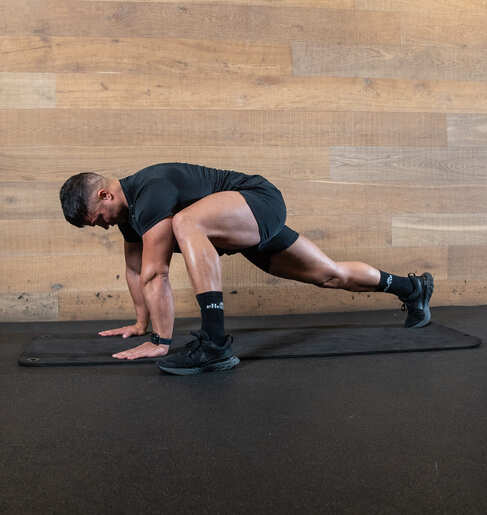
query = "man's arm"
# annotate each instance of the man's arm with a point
(158, 244)
(133, 261)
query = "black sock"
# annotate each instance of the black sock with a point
(400, 286)
(212, 320)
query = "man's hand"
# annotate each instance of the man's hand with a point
(146, 350)
(126, 332)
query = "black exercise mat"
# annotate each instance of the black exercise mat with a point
(86, 349)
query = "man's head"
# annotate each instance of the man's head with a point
(92, 199)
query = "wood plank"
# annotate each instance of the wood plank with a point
(198, 21)
(420, 6)
(116, 91)
(40, 201)
(309, 299)
(44, 273)
(467, 130)
(439, 229)
(150, 127)
(244, 301)
(55, 163)
(324, 4)
(389, 61)
(417, 166)
(460, 293)
(321, 198)
(57, 237)
(459, 28)
(27, 90)
(344, 230)
(41, 274)
(16, 307)
(466, 263)
(179, 57)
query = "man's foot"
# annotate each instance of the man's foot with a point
(200, 355)
(417, 304)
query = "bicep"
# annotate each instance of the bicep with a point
(158, 244)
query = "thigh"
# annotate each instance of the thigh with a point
(267, 204)
(261, 255)
(302, 261)
(225, 217)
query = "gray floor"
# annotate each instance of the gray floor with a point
(374, 434)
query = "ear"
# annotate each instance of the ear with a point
(104, 194)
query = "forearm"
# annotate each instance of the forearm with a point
(136, 291)
(160, 303)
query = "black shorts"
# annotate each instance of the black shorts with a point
(269, 209)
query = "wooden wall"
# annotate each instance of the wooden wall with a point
(369, 115)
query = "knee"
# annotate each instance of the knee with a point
(337, 277)
(181, 223)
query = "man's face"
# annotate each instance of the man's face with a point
(99, 217)
(108, 211)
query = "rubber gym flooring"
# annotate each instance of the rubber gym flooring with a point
(363, 434)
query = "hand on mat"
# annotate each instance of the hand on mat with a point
(146, 350)
(126, 332)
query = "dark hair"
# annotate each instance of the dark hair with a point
(76, 196)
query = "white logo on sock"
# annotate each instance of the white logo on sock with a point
(389, 282)
(215, 306)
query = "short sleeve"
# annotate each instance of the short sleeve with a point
(157, 200)
(129, 233)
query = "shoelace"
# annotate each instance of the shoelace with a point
(194, 345)
(410, 300)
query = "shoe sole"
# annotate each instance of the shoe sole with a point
(429, 287)
(217, 366)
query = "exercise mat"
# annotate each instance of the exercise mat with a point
(86, 349)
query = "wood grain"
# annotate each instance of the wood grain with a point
(116, 305)
(466, 263)
(314, 197)
(467, 130)
(458, 28)
(324, 4)
(369, 115)
(58, 237)
(75, 272)
(27, 90)
(439, 230)
(198, 21)
(194, 58)
(19, 307)
(420, 6)
(389, 61)
(415, 166)
(53, 163)
(115, 91)
(149, 127)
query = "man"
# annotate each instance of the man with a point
(203, 213)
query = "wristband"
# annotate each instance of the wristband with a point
(155, 338)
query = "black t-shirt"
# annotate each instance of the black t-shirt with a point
(163, 189)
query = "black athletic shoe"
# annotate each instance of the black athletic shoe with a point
(200, 355)
(417, 303)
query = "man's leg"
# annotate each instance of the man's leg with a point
(305, 262)
(222, 220)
